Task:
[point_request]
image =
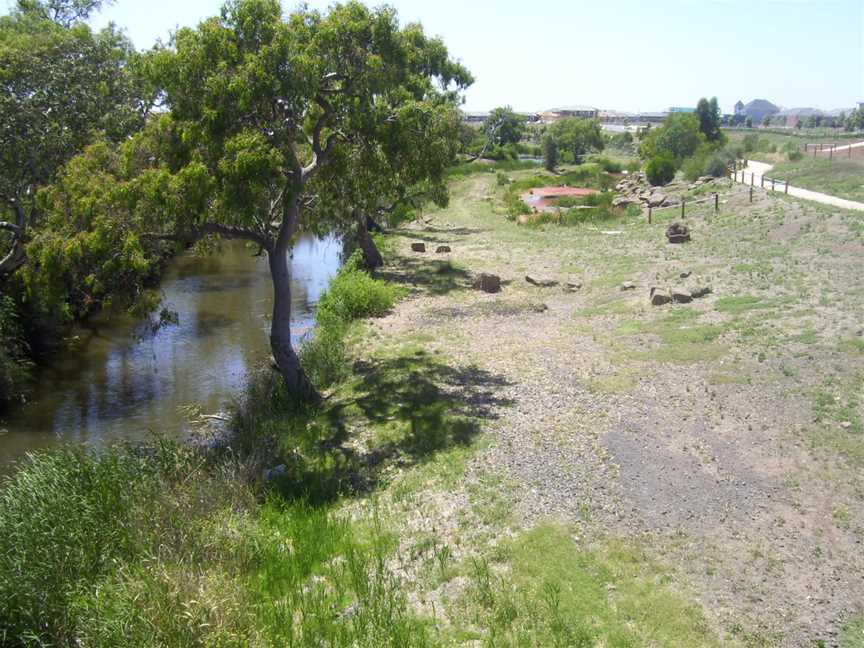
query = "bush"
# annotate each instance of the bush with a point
(609, 166)
(352, 294)
(501, 179)
(660, 170)
(795, 155)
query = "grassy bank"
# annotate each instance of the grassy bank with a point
(536, 467)
(842, 176)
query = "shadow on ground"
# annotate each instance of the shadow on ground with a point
(435, 276)
(413, 404)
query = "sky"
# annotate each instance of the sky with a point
(629, 55)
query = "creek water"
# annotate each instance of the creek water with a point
(124, 379)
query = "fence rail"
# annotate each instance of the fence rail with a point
(834, 150)
(714, 197)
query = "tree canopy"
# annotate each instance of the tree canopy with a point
(708, 113)
(61, 83)
(574, 137)
(679, 138)
(283, 124)
(503, 126)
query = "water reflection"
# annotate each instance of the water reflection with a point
(122, 380)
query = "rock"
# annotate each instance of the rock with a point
(846, 425)
(672, 200)
(523, 219)
(539, 308)
(624, 201)
(705, 179)
(418, 247)
(660, 296)
(678, 233)
(487, 283)
(681, 296)
(700, 292)
(542, 282)
(276, 472)
(656, 199)
(442, 248)
(685, 274)
(645, 194)
(628, 285)
(572, 286)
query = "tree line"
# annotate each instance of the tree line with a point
(254, 125)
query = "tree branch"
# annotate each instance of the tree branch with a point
(225, 231)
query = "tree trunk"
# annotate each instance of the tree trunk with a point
(296, 381)
(372, 258)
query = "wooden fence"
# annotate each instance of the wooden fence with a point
(834, 150)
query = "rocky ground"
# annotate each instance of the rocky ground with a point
(725, 433)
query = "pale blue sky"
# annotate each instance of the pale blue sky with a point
(618, 54)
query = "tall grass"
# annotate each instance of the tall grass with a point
(352, 294)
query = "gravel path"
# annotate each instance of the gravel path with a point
(755, 171)
(716, 475)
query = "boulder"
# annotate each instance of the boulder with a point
(442, 248)
(523, 219)
(680, 296)
(700, 292)
(487, 283)
(656, 199)
(572, 286)
(539, 308)
(706, 179)
(659, 297)
(542, 282)
(418, 247)
(685, 274)
(624, 201)
(672, 200)
(628, 285)
(678, 233)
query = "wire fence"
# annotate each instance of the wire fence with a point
(832, 151)
(713, 200)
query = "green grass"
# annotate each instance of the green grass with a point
(852, 635)
(842, 177)
(682, 339)
(547, 590)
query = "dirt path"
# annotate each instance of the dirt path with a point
(716, 432)
(755, 171)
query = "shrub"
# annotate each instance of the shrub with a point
(352, 294)
(795, 155)
(502, 179)
(660, 170)
(609, 166)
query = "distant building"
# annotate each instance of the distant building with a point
(650, 117)
(474, 117)
(861, 105)
(554, 114)
(739, 107)
(680, 109)
(757, 110)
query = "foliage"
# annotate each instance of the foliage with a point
(794, 155)
(503, 126)
(709, 160)
(89, 254)
(678, 138)
(550, 152)
(62, 82)
(708, 113)
(660, 169)
(855, 120)
(353, 294)
(15, 366)
(574, 137)
(300, 123)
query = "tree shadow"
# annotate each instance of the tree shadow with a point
(414, 406)
(435, 276)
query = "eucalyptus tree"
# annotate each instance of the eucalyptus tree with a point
(59, 83)
(300, 122)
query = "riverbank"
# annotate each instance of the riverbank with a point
(550, 466)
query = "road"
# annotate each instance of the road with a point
(758, 170)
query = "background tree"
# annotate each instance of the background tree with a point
(299, 124)
(60, 84)
(748, 123)
(503, 126)
(550, 152)
(575, 137)
(708, 113)
(678, 138)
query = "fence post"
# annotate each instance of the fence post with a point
(682, 207)
(649, 214)
(787, 187)
(752, 179)
(805, 147)
(831, 153)
(751, 193)
(716, 202)
(762, 178)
